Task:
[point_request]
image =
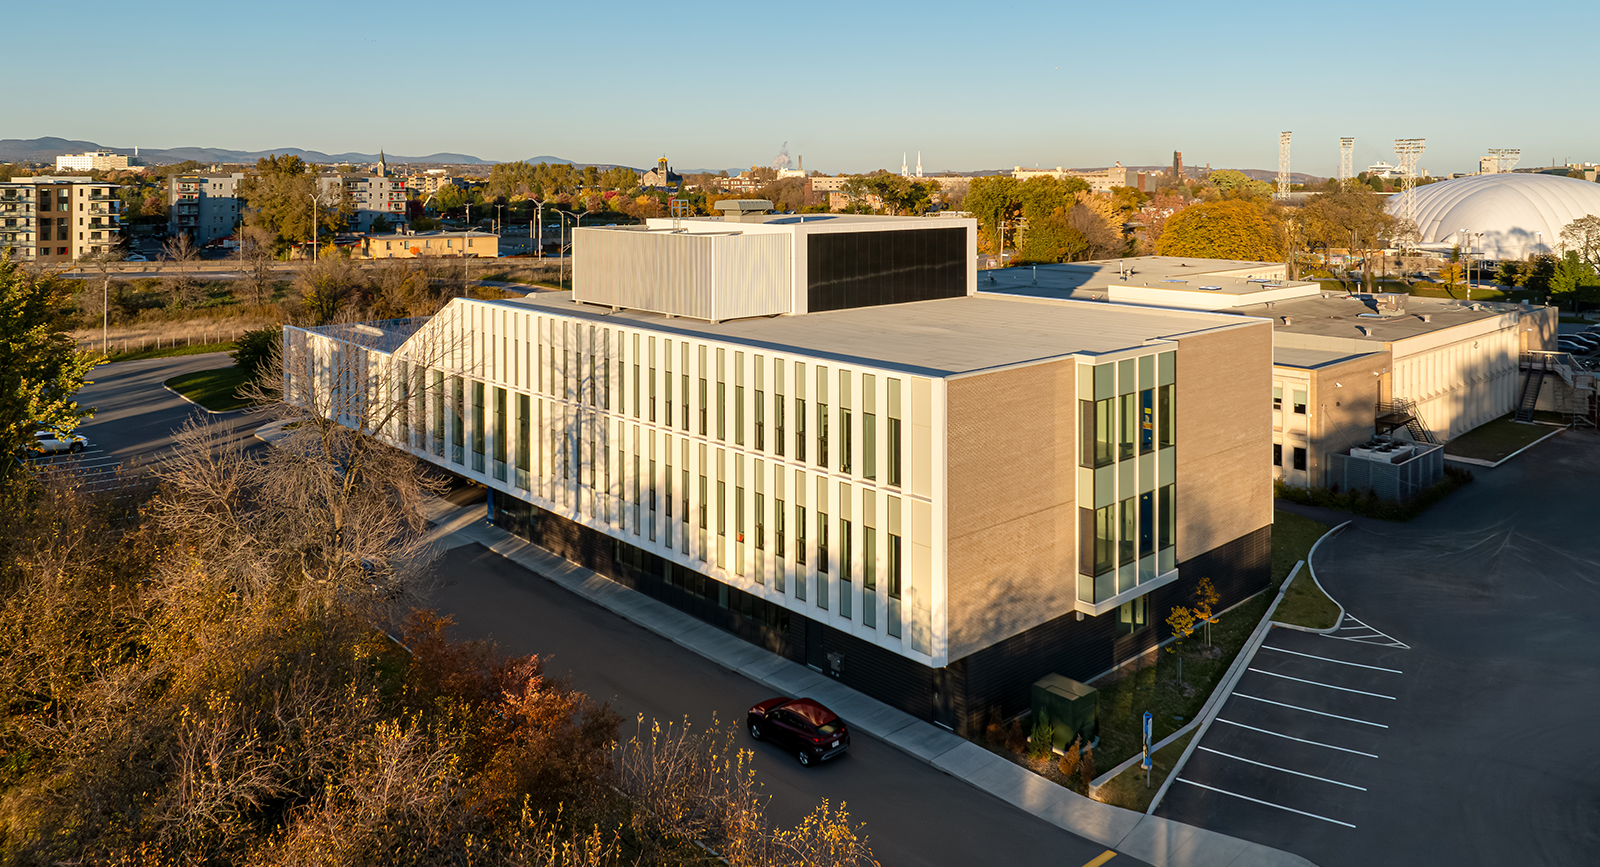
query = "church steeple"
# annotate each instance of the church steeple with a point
(383, 164)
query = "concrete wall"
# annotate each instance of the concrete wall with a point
(1012, 516)
(1224, 436)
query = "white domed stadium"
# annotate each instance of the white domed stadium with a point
(1518, 215)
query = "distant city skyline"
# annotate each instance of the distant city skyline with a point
(1042, 86)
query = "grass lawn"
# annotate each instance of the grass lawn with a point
(215, 390)
(1128, 790)
(1496, 440)
(1306, 605)
(173, 351)
(1292, 538)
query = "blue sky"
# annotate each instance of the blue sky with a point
(848, 85)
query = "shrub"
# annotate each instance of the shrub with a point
(1016, 741)
(1368, 504)
(1086, 766)
(255, 351)
(1069, 759)
(995, 731)
(1040, 742)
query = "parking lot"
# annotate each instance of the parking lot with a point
(1298, 749)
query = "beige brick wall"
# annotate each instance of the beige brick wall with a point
(1224, 436)
(1343, 398)
(1012, 516)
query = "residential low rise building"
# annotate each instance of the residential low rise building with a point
(812, 431)
(58, 220)
(206, 207)
(412, 245)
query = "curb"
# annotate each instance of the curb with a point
(1311, 570)
(1225, 688)
(1478, 462)
(199, 406)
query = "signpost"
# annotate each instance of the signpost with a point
(1148, 719)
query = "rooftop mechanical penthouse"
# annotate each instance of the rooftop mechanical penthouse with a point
(814, 433)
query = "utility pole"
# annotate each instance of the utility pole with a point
(315, 247)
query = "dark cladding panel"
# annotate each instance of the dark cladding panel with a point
(867, 269)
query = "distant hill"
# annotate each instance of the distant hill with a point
(45, 150)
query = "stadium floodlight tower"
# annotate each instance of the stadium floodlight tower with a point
(1283, 164)
(1409, 150)
(1505, 159)
(1347, 148)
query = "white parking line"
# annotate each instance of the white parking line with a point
(1326, 659)
(1293, 738)
(1309, 710)
(1261, 802)
(1314, 683)
(1276, 768)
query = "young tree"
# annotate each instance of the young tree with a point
(1182, 623)
(256, 255)
(40, 368)
(180, 254)
(1206, 595)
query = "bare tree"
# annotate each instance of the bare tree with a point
(256, 255)
(180, 251)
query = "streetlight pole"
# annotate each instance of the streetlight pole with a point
(316, 249)
(497, 218)
(577, 221)
(537, 225)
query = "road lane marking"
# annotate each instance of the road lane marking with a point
(1315, 683)
(1309, 710)
(1285, 770)
(1293, 738)
(1326, 659)
(1263, 803)
(1102, 858)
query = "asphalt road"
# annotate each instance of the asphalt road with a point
(135, 417)
(914, 814)
(1488, 755)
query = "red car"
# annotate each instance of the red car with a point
(802, 726)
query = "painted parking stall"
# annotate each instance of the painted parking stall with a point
(1298, 746)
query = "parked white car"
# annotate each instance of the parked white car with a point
(51, 442)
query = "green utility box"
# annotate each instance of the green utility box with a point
(1072, 708)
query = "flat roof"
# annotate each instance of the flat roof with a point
(1091, 281)
(696, 225)
(931, 338)
(1312, 359)
(1337, 314)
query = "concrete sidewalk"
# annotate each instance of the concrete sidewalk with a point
(1159, 841)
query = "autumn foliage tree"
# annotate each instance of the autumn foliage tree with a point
(1228, 229)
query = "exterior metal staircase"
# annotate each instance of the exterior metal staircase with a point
(1402, 413)
(1532, 380)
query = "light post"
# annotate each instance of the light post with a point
(316, 249)
(497, 218)
(577, 221)
(537, 225)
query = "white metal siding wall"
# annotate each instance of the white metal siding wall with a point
(1461, 385)
(585, 415)
(711, 277)
(652, 271)
(753, 275)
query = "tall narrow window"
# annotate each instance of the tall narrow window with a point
(1147, 524)
(666, 381)
(869, 577)
(822, 559)
(893, 575)
(438, 413)
(722, 397)
(1128, 432)
(1277, 454)
(1105, 539)
(761, 522)
(1166, 415)
(705, 497)
(800, 429)
(458, 399)
(524, 441)
(704, 393)
(761, 420)
(477, 426)
(1128, 532)
(1167, 530)
(683, 381)
(800, 535)
(779, 539)
(844, 441)
(500, 434)
(1100, 419)
(822, 435)
(651, 348)
(845, 564)
(738, 398)
(1277, 397)
(893, 434)
(777, 406)
(637, 374)
(1147, 421)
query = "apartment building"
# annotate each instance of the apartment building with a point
(90, 161)
(371, 198)
(814, 433)
(57, 220)
(207, 207)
